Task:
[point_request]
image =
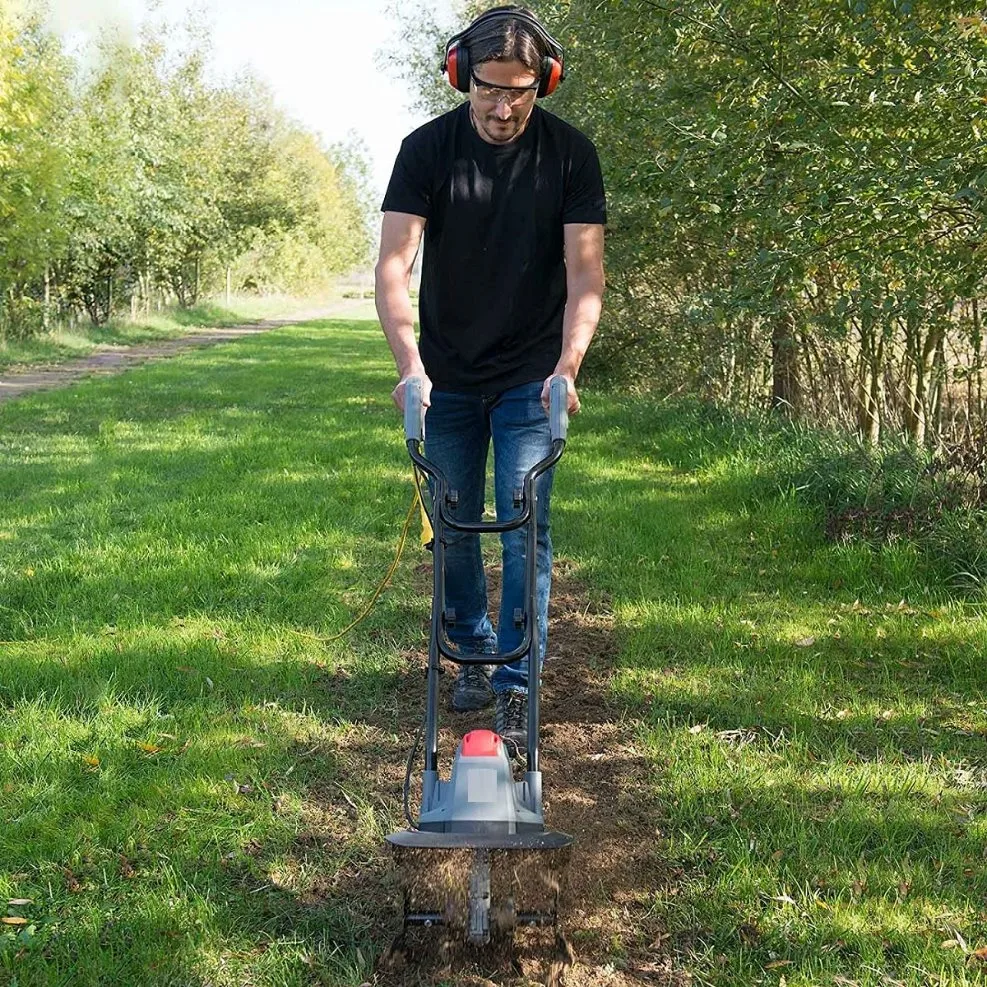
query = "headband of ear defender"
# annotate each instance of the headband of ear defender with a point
(457, 59)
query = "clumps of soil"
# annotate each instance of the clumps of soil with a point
(598, 787)
(437, 881)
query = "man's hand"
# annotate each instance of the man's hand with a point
(570, 388)
(398, 393)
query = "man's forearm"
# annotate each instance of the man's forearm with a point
(397, 319)
(582, 315)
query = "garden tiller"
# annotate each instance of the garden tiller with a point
(479, 861)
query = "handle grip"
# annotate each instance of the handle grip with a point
(414, 410)
(558, 408)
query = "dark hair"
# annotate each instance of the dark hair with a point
(505, 39)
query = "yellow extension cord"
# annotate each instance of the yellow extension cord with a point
(426, 538)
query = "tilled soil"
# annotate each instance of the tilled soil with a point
(598, 787)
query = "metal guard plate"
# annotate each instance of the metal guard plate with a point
(418, 840)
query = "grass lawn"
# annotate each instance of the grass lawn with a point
(187, 775)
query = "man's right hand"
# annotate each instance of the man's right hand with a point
(398, 393)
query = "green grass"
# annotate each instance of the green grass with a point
(66, 344)
(171, 538)
(164, 535)
(816, 713)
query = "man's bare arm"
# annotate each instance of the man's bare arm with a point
(400, 237)
(584, 302)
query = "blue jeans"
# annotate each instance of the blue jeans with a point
(458, 430)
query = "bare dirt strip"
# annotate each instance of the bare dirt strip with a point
(115, 360)
(599, 788)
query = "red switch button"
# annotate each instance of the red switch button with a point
(481, 743)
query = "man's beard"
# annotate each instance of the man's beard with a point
(502, 131)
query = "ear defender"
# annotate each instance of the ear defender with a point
(456, 64)
(551, 76)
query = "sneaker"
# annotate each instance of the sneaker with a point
(473, 689)
(511, 720)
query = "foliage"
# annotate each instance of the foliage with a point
(32, 162)
(139, 181)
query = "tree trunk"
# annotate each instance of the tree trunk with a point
(784, 365)
(229, 283)
(868, 382)
(46, 311)
(978, 366)
(914, 381)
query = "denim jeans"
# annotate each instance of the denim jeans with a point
(458, 430)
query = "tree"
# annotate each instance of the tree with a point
(33, 81)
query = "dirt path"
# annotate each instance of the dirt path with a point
(116, 360)
(598, 787)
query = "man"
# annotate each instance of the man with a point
(510, 200)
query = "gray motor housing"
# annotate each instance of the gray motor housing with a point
(481, 795)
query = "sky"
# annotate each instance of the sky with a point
(288, 43)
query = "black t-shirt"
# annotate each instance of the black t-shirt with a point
(493, 271)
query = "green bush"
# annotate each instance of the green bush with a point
(875, 495)
(894, 491)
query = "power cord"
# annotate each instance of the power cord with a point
(417, 501)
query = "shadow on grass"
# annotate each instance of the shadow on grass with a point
(164, 534)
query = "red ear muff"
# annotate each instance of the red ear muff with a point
(457, 60)
(551, 76)
(458, 68)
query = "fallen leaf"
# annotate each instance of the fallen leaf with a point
(775, 964)
(150, 748)
(979, 954)
(255, 744)
(13, 920)
(19, 901)
(93, 762)
(697, 728)
(805, 642)
(785, 900)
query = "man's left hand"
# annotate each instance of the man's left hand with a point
(570, 388)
